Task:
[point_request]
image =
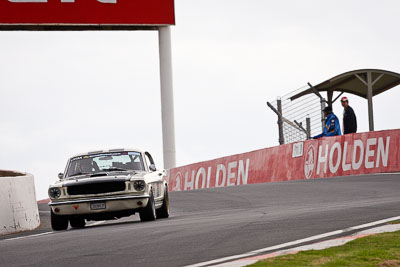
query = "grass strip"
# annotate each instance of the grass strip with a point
(376, 250)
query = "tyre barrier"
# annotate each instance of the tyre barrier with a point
(351, 154)
(18, 208)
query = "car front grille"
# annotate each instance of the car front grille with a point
(96, 188)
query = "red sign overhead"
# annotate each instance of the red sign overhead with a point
(84, 13)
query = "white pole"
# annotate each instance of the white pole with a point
(167, 97)
(370, 104)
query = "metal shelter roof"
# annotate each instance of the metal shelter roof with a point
(355, 82)
(365, 83)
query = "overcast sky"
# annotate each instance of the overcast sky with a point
(64, 93)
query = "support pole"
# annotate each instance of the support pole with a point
(370, 105)
(323, 102)
(308, 125)
(330, 97)
(280, 122)
(167, 97)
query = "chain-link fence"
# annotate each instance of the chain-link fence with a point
(298, 119)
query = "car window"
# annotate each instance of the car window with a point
(118, 161)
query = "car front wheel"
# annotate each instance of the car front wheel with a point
(149, 212)
(58, 222)
(163, 212)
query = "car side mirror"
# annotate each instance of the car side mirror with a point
(152, 167)
(60, 175)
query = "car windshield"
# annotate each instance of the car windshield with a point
(105, 162)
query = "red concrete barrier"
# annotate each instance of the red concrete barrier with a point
(352, 154)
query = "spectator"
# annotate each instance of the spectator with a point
(332, 126)
(349, 117)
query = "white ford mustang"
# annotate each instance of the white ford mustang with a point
(106, 185)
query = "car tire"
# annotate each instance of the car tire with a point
(149, 212)
(77, 222)
(58, 222)
(163, 212)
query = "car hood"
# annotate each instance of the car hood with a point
(101, 178)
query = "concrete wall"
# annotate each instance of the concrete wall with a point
(18, 207)
(351, 154)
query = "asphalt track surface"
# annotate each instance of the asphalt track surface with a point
(211, 224)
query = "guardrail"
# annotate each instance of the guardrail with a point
(352, 154)
(18, 207)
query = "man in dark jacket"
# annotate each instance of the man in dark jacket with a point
(349, 117)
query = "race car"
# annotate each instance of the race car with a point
(107, 185)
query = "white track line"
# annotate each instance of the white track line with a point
(314, 246)
(28, 236)
(47, 233)
(292, 243)
(96, 223)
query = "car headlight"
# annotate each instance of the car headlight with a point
(139, 185)
(54, 192)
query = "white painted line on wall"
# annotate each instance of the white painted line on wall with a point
(292, 243)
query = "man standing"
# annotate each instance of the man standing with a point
(332, 126)
(349, 117)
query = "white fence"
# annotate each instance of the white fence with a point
(297, 111)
